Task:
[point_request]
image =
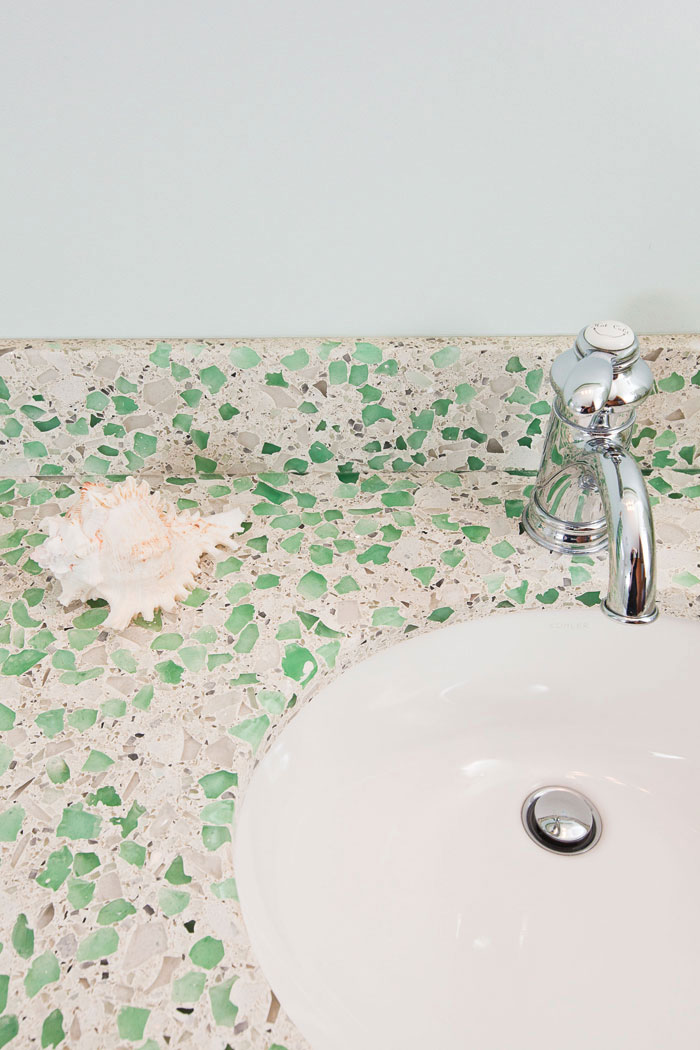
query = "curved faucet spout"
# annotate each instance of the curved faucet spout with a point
(632, 550)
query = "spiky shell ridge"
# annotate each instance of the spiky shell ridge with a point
(129, 546)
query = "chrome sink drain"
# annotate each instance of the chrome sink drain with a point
(561, 820)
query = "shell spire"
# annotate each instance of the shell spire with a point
(131, 547)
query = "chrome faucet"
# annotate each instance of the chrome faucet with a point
(590, 492)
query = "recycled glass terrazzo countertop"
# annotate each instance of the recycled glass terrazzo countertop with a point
(383, 483)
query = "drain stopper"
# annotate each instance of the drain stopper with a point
(561, 820)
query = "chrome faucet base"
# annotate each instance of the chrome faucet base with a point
(563, 537)
(570, 537)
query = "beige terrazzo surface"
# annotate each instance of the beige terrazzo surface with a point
(122, 755)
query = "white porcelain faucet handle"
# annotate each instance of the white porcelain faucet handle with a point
(610, 336)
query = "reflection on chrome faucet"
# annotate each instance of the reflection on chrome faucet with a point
(590, 492)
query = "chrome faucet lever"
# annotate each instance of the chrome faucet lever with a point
(590, 492)
(587, 387)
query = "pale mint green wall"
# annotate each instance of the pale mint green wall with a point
(201, 167)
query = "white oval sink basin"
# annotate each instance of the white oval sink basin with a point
(391, 892)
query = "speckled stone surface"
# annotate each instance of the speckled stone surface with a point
(383, 483)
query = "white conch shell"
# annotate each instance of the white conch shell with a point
(128, 545)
